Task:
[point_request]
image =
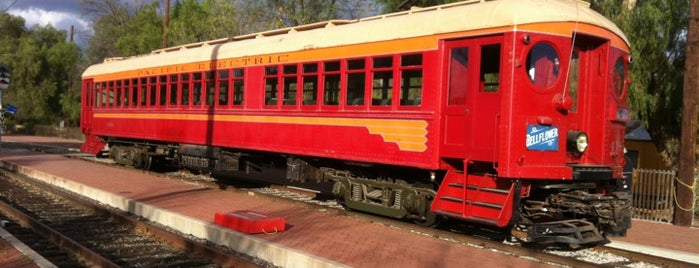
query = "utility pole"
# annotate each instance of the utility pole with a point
(684, 209)
(166, 24)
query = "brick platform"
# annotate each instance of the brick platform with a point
(312, 236)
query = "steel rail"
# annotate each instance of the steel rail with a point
(639, 256)
(57, 238)
(214, 254)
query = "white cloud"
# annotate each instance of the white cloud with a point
(57, 19)
(60, 20)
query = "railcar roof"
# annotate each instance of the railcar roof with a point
(443, 19)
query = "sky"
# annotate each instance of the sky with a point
(60, 14)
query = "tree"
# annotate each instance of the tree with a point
(194, 21)
(11, 29)
(187, 22)
(274, 14)
(142, 33)
(223, 19)
(109, 18)
(399, 5)
(657, 31)
(41, 65)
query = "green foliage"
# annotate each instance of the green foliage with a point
(273, 14)
(44, 67)
(398, 5)
(286, 13)
(40, 71)
(193, 21)
(142, 33)
(188, 18)
(111, 16)
(657, 32)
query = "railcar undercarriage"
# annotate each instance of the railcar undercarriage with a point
(568, 213)
(401, 193)
(573, 214)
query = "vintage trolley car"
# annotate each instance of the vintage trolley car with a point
(509, 113)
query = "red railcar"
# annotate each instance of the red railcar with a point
(508, 113)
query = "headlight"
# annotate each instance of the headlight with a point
(577, 142)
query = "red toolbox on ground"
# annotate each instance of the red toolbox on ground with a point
(250, 222)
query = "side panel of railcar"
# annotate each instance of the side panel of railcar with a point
(302, 108)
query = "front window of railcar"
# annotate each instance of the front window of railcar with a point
(543, 65)
(618, 76)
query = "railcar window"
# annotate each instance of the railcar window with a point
(618, 76)
(223, 84)
(143, 91)
(331, 88)
(411, 80)
(127, 91)
(225, 74)
(310, 84)
(458, 76)
(356, 82)
(98, 95)
(290, 85)
(490, 68)
(184, 78)
(163, 90)
(173, 90)
(196, 89)
(210, 88)
(238, 86)
(110, 91)
(152, 90)
(210, 92)
(543, 65)
(104, 94)
(134, 92)
(223, 93)
(118, 93)
(271, 84)
(382, 83)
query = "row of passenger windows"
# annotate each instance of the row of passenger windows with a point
(355, 82)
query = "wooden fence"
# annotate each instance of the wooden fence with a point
(653, 194)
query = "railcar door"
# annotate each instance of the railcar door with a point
(472, 97)
(596, 88)
(87, 102)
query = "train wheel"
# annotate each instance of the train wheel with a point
(429, 220)
(147, 162)
(344, 206)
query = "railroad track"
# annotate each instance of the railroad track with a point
(604, 256)
(74, 232)
(486, 238)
